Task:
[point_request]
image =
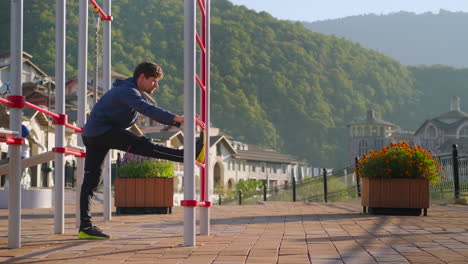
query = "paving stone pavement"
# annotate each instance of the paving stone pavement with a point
(274, 232)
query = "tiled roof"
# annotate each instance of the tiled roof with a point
(371, 120)
(259, 154)
(214, 140)
(452, 115)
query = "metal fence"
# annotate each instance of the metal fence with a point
(453, 176)
(336, 185)
(342, 184)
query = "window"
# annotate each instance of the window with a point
(284, 169)
(367, 131)
(362, 146)
(218, 149)
(431, 132)
(464, 132)
(378, 143)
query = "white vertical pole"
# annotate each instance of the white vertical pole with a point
(189, 123)
(205, 211)
(107, 85)
(82, 89)
(60, 14)
(14, 191)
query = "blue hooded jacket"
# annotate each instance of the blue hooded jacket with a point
(119, 108)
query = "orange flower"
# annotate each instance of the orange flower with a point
(399, 159)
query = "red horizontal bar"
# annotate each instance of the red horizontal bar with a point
(194, 203)
(188, 203)
(61, 120)
(77, 129)
(200, 43)
(200, 83)
(5, 101)
(17, 101)
(70, 151)
(104, 16)
(76, 149)
(13, 141)
(199, 164)
(40, 109)
(202, 7)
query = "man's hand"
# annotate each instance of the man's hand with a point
(179, 119)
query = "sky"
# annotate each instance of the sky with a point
(313, 10)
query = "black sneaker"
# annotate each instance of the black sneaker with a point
(92, 232)
(200, 147)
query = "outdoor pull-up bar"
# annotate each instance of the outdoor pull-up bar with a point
(16, 103)
(190, 36)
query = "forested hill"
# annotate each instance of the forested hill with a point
(274, 83)
(424, 39)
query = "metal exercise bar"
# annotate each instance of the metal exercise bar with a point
(104, 16)
(45, 111)
(16, 69)
(189, 124)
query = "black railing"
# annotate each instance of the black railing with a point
(330, 186)
(343, 184)
(453, 176)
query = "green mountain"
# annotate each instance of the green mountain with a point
(424, 39)
(436, 85)
(274, 83)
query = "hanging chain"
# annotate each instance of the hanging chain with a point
(96, 54)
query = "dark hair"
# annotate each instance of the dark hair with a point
(149, 69)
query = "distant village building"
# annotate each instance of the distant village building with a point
(441, 132)
(38, 88)
(437, 134)
(368, 134)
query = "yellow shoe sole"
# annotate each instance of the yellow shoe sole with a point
(83, 235)
(201, 156)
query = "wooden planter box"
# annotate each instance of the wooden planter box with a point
(405, 196)
(144, 195)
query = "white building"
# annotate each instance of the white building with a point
(231, 161)
(441, 132)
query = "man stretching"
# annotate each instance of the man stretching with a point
(106, 129)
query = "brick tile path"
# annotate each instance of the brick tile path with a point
(275, 232)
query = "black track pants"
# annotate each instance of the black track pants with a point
(96, 151)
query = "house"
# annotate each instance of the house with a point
(38, 88)
(441, 132)
(373, 134)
